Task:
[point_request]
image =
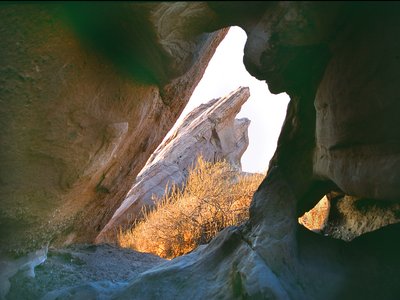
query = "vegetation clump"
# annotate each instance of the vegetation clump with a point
(215, 196)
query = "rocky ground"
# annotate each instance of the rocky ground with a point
(81, 271)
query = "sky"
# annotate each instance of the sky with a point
(225, 73)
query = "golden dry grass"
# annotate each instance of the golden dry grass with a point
(215, 196)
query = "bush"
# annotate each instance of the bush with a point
(215, 196)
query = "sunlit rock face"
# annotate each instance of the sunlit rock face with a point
(210, 131)
(87, 94)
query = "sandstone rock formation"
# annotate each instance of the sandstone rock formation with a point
(352, 216)
(346, 217)
(210, 130)
(339, 63)
(87, 94)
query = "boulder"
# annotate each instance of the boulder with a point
(210, 131)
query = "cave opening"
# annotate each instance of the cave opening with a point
(266, 111)
(224, 76)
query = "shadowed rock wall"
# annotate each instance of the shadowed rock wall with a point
(78, 122)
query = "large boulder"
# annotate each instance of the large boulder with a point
(210, 131)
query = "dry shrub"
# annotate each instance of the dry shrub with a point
(215, 196)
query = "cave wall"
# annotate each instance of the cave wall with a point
(338, 63)
(357, 126)
(87, 94)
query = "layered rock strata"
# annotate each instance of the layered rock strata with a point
(210, 131)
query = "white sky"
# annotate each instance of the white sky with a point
(225, 73)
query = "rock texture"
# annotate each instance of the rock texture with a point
(210, 130)
(87, 94)
(351, 216)
(339, 63)
(346, 217)
(359, 142)
(87, 270)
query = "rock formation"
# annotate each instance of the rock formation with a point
(85, 270)
(72, 84)
(210, 130)
(82, 89)
(338, 64)
(346, 217)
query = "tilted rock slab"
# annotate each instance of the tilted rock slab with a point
(210, 130)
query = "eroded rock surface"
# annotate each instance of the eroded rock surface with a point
(84, 271)
(346, 217)
(327, 60)
(210, 131)
(360, 151)
(87, 94)
(338, 62)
